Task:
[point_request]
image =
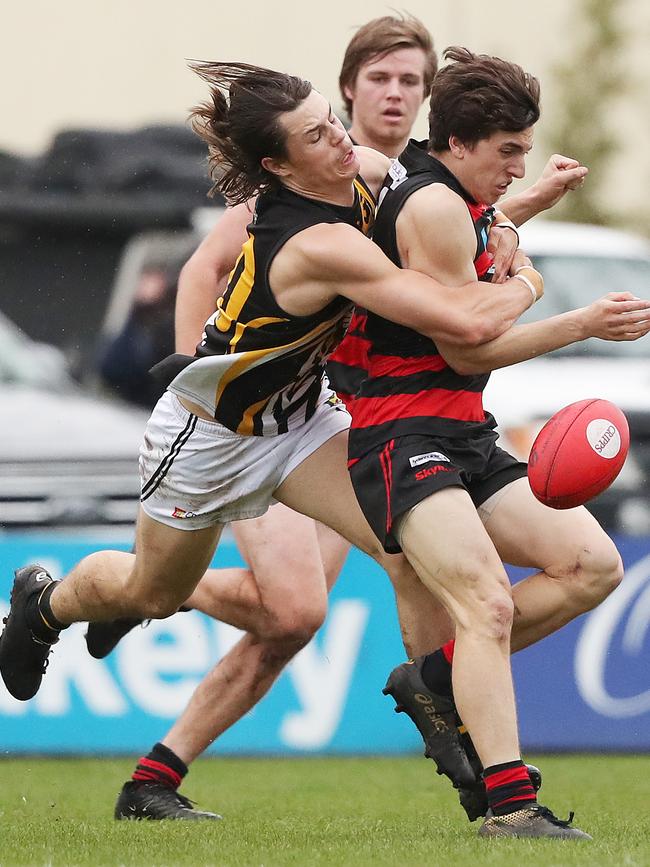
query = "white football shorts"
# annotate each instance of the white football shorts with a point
(196, 473)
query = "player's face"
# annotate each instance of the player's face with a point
(320, 154)
(386, 97)
(488, 167)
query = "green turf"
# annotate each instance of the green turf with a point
(378, 811)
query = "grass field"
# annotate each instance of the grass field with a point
(375, 811)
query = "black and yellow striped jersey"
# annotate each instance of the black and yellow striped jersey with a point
(259, 369)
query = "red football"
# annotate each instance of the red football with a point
(578, 453)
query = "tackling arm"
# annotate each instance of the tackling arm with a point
(618, 316)
(325, 261)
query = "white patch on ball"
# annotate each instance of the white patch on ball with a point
(604, 438)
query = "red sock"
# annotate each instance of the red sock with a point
(161, 765)
(448, 650)
(508, 787)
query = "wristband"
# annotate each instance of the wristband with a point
(528, 283)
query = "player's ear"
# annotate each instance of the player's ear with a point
(274, 166)
(348, 92)
(457, 147)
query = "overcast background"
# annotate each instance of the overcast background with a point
(121, 64)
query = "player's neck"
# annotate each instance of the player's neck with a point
(341, 193)
(389, 147)
(454, 165)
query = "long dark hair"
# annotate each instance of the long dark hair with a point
(240, 123)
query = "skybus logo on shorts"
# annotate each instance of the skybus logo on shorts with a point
(431, 471)
(417, 460)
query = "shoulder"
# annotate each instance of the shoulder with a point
(439, 201)
(374, 167)
(436, 202)
(326, 240)
(327, 249)
(436, 234)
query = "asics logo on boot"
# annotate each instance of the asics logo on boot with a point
(439, 724)
(42, 576)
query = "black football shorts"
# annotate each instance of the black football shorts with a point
(391, 480)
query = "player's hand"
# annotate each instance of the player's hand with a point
(560, 175)
(519, 260)
(502, 245)
(618, 316)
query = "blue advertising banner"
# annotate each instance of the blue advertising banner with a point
(588, 687)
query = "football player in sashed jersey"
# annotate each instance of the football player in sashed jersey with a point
(251, 418)
(423, 459)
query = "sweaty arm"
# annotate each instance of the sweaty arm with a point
(325, 261)
(618, 316)
(204, 275)
(448, 256)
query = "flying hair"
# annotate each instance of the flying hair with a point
(240, 123)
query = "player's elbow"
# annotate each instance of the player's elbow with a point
(472, 333)
(464, 366)
(463, 332)
(490, 327)
(466, 360)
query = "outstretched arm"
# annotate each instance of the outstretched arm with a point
(617, 316)
(322, 262)
(204, 276)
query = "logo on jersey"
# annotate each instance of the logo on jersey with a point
(398, 173)
(335, 401)
(417, 460)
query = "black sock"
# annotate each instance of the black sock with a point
(436, 673)
(161, 765)
(508, 787)
(39, 616)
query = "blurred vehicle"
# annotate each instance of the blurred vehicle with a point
(67, 458)
(581, 263)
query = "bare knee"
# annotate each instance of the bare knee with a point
(594, 571)
(295, 622)
(151, 603)
(487, 608)
(159, 607)
(497, 612)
